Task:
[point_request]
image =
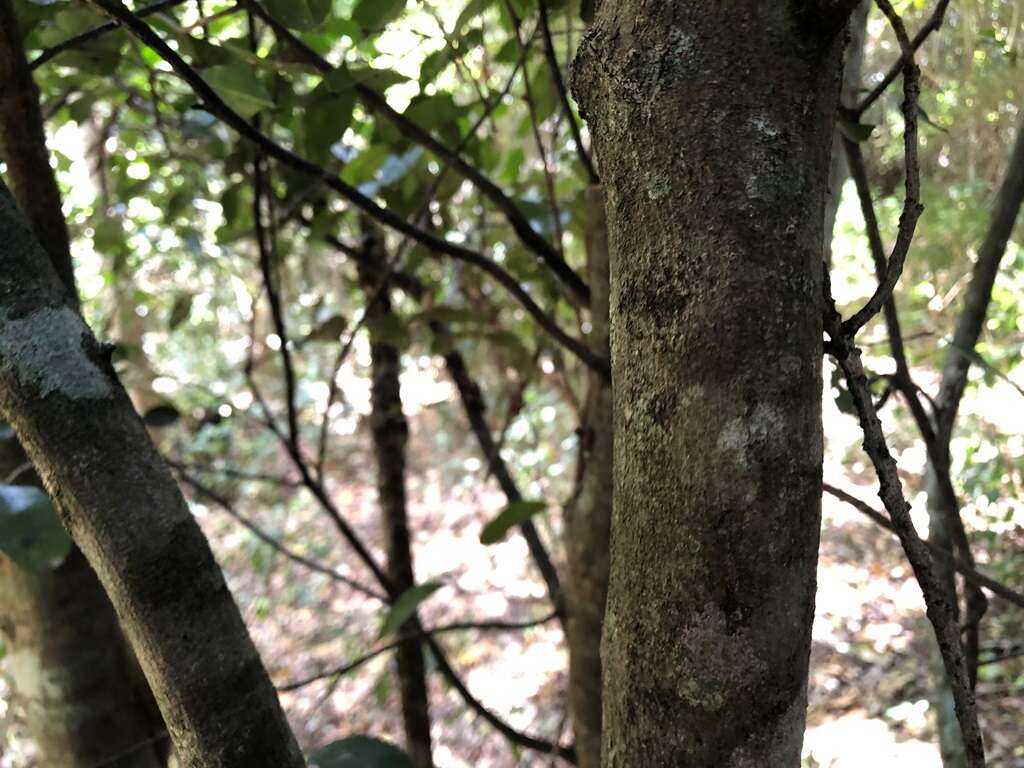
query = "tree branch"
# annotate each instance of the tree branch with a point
(932, 25)
(578, 289)
(967, 571)
(563, 95)
(215, 105)
(96, 32)
(912, 207)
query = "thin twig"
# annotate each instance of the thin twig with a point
(563, 95)
(97, 32)
(217, 106)
(204, 490)
(912, 207)
(932, 25)
(461, 626)
(968, 572)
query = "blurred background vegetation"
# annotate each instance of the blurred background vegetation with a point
(160, 201)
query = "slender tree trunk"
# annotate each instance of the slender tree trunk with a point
(589, 513)
(390, 436)
(853, 68)
(23, 147)
(123, 509)
(712, 125)
(945, 527)
(85, 700)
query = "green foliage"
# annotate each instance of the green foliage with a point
(240, 87)
(403, 608)
(31, 534)
(516, 513)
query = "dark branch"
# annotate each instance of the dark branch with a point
(578, 289)
(215, 105)
(968, 572)
(97, 32)
(932, 25)
(912, 207)
(563, 95)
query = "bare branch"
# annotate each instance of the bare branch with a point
(932, 25)
(968, 572)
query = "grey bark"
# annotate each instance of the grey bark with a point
(712, 126)
(84, 699)
(123, 509)
(945, 527)
(390, 435)
(589, 513)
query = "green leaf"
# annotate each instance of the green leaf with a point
(180, 310)
(329, 330)
(30, 532)
(473, 9)
(374, 14)
(328, 113)
(516, 513)
(303, 15)
(359, 752)
(389, 329)
(239, 86)
(854, 131)
(377, 79)
(162, 415)
(405, 606)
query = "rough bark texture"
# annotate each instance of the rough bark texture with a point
(23, 147)
(84, 698)
(390, 435)
(712, 126)
(125, 512)
(589, 513)
(944, 525)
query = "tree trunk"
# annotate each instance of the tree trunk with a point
(712, 126)
(125, 512)
(589, 513)
(945, 527)
(23, 147)
(853, 67)
(390, 435)
(85, 700)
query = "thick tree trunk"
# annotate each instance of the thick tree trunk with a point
(390, 435)
(85, 700)
(589, 513)
(712, 126)
(124, 510)
(945, 527)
